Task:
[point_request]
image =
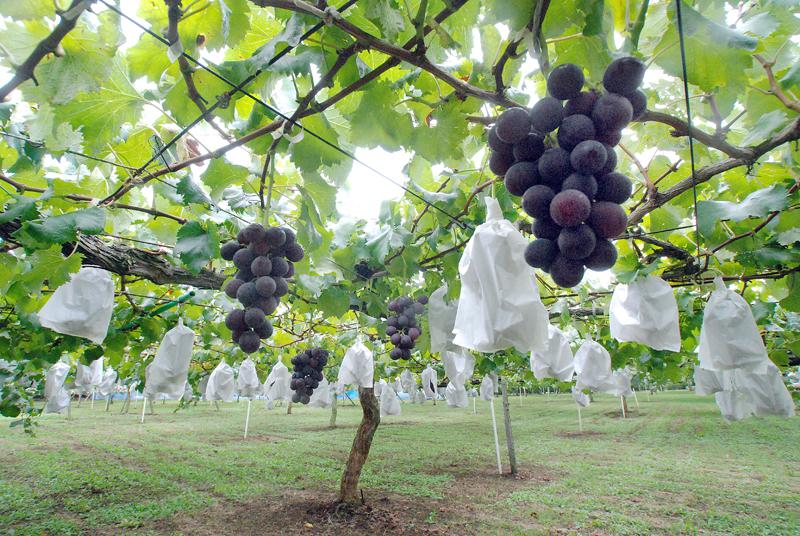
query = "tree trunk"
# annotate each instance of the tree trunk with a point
(289, 408)
(333, 410)
(348, 492)
(512, 456)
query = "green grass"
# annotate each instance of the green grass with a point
(675, 468)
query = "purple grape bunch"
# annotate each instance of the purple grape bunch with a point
(307, 373)
(264, 258)
(402, 327)
(559, 158)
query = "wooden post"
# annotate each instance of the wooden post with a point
(635, 398)
(334, 402)
(144, 407)
(247, 419)
(512, 456)
(624, 404)
(496, 440)
(289, 408)
(348, 491)
(108, 402)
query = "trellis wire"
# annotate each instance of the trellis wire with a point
(688, 121)
(240, 88)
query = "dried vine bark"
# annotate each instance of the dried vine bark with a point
(348, 492)
(125, 260)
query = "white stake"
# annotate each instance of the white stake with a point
(69, 409)
(144, 406)
(622, 405)
(247, 419)
(92, 405)
(496, 441)
(580, 421)
(635, 398)
(474, 411)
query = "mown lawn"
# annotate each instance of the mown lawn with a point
(674, 467)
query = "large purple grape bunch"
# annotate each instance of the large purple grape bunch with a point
(402, 327)
(560, 158)
(307, 373)
(264, 258)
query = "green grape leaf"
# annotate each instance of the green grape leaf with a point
(197, 245)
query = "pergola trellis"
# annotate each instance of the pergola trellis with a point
(126, 260)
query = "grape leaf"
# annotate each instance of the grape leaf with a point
(64, 227)
(197, 245)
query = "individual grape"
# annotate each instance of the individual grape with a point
(402, 321)
(498, 145)
(588, 157)
(608, 219)
(265, 286)
(253, 233)
(423, 300)
(281, 287)
(554, 167)
(243, 258)
(573, 130)
(546, 115)
(565, 81)
(275, 237)
(396, 354)
(583, 183)
(249, 342)
(261, 247)
(576, 242)
(529, 148)
(414, 333)
(235, 334)
(418, 308)
(295, 252)
(279, 267)
(499, 162)
(611, 161)
(536, 200)
(405, 354)
(268, 305)
(540, 253)
(638, 102)
(395, 338)
(247, 294)
(290, 272)
(391, 330)
(610, 138)
(582, 104)
(624, 75)
(228, 249)
(520, 177)
(603, 257)
(392, 321)
(290, 235)
(513, 125)
(611, 112)
(265, 330)
(254, 317)
(570, 208)
(232, 286)
(244, 274)
(546, 228)
(394, 306)
(406, 343)
(235, 320)
(261, 266)
(614, 187)
(566, 273)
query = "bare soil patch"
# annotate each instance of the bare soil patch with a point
(307, 513)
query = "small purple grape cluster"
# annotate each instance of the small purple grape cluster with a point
(402, 327)
(307, 373)
(264, 258)
(559, 157)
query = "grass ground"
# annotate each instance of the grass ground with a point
(674, 467)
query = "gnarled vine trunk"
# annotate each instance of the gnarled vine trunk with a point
(348, 492)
